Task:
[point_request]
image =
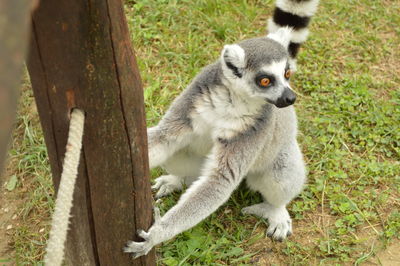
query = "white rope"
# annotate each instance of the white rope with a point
(59, 225)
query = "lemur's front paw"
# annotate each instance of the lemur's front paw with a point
(139, 248)
(142, 248)
(167, 184)
(151, 239)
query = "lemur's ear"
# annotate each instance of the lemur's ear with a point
(282, 35)
(233, 57)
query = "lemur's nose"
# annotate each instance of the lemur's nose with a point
(288, 98)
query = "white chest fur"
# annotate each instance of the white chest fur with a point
(223, 114)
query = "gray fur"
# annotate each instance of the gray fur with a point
(261, 51)
(226, 127)
(217, 132)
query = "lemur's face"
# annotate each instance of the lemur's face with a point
(259, 68)
(271, 81)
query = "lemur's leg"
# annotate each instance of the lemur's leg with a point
(165, 139)
(183, 167)
(174, 131)
(185, 163)
(279, 185)
(229, 161)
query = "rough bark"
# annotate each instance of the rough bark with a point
(81, 56)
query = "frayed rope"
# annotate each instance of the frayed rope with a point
(59, 225)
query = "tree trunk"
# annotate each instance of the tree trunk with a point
(14, 26)
(81, 56)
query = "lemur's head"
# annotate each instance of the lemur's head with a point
(259, 68)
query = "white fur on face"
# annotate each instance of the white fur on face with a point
(303, 9)
(293, 64)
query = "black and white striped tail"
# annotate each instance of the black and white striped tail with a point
(297, 15)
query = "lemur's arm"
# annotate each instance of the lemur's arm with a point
(165, 140)
(228, 164)
(173, 132)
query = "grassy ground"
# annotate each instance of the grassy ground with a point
(348, 109)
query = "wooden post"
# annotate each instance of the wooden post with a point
(81, 56)
(14, 25)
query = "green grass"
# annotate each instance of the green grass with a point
(348, 112)
(29, 162)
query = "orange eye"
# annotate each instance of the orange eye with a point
(264, 82)
(288, 73)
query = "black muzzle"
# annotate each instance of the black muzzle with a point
(287, 98)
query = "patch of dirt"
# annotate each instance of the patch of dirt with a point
(9, 204)
(270, 252)
(309, 230)
(390, 256)
(387, 68)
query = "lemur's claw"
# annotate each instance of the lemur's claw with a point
(157, 215)
(143, 234)
(138, 248)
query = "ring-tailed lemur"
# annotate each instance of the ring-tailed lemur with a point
(234, 121)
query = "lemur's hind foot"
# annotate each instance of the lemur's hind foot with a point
(167, 184)
(280, 224)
